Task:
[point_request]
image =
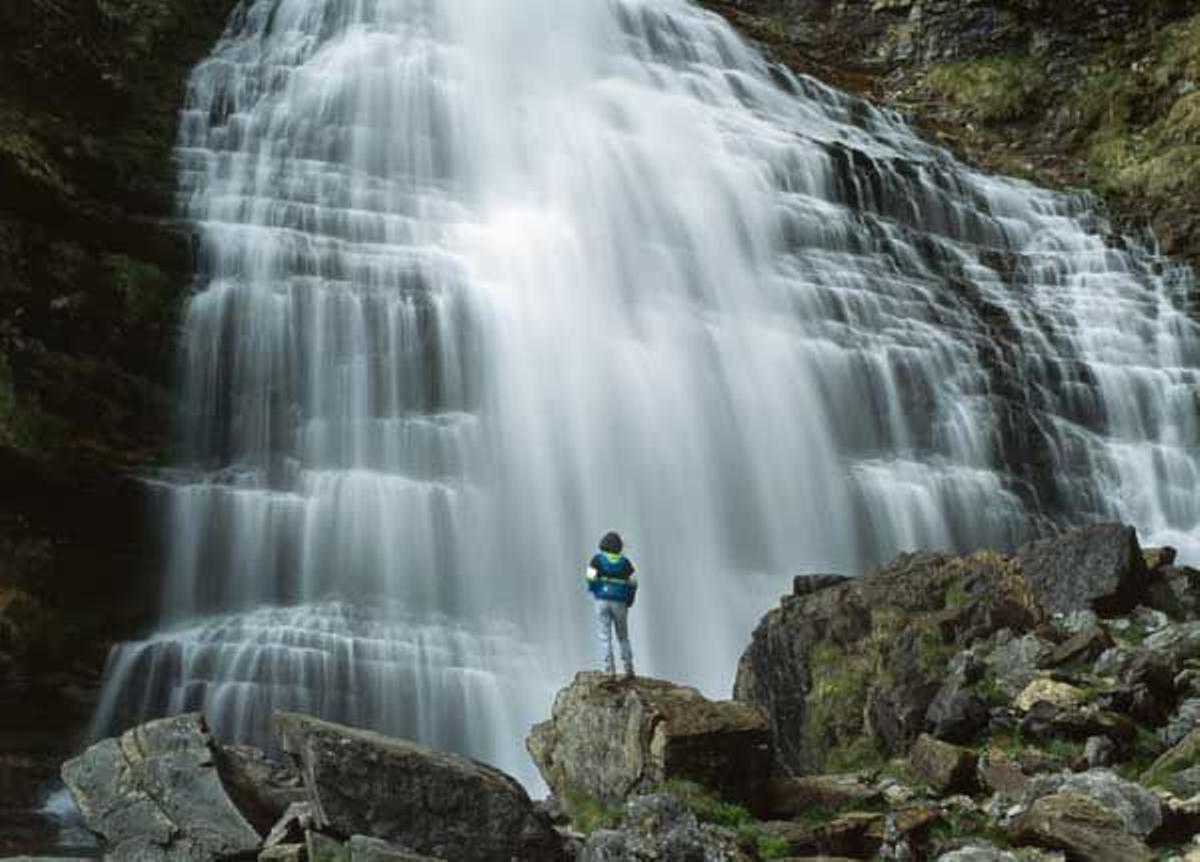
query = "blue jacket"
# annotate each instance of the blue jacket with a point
(613, 579)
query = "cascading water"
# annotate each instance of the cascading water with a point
(480, 281)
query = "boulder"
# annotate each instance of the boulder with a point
(291, 826)
(944, 767)
(1080, 826)
(1184, 755)
(1001, 774)
(957, 713)
(364, 783)
(362, 848)
(1014, 661)
(284, 853)
(1049, 691)
(262, 788)
(794, 797)
(979, 853)
(1099, 751)
(1045, 721)
(155, 792)
(610, 740)
(1156, 558)
(1098, 567)
(659, 826)
(1137, 810)
(1083, 646)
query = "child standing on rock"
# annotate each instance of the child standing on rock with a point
(611, 581)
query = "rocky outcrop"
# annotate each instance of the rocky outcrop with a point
(852, 670)
(662, 827)
(155, 794)
(1099, 567)
(432, 802)
(608, 740)
(1081, 826)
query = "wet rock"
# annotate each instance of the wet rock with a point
(657, 827)
(613, 739)
(1079, 825)
(793, 797)
(1049, 691)
(442, 804)
(156, 790)
(1098, 567)
(944, 767)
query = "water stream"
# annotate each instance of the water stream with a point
(478, 281)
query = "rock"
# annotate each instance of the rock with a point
(858, 835)
(1084, 646)
(1099, 751)
(803, 585)
(284, 853)
(1185, 783)
(615, 739)
(158, 786)
(1183, 755)
(1079, 825)
(1138, 811)
(442, 804)
(979, 853)
(848, 673)
(1001, 774)
(1014, 661)
(1156, 558)
(1149, 619)
(365, 849)
(1045, 720)
(323, 848)
(1098, 567)
(660, 827)
(793, 797)
(292, 825)
(956, 713)
(1176, 644)
(1184, 721)
(261, 787)
(1048, 691)
(944, 767)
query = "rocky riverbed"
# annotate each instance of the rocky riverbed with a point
(1043, 705)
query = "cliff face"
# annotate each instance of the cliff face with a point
(1097, 93)
(91, 275)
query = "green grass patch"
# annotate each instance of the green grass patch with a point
(836, 699)
(708, 808)
(995, 89)
(589, 814)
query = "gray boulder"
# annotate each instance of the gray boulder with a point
(1099, 567)
(957, 713)
(155, 794)
(1184, 721)
(613, 739)
(1079, 825)
(660, 827)
(364, 783)
(1138, 811)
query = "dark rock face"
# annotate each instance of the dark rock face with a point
(1099, 568)
(436, 803)
(613, 739)
(853, 669)
(155, 793)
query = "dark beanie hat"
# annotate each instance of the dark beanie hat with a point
(611, 543)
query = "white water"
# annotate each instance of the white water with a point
(482, 280)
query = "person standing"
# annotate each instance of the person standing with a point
(611, 581)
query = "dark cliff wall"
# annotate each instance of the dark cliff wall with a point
(92, 273)
(1097, 93)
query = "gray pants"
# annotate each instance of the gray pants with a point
(613, 615)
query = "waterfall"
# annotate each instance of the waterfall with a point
(479, 281)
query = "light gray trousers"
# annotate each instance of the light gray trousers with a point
(613, 615)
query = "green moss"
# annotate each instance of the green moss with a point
(1183, 756)
(708, 808)
(956, 594)
(589, 814)
(932, 650)
(994, 89)
(836, 699)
